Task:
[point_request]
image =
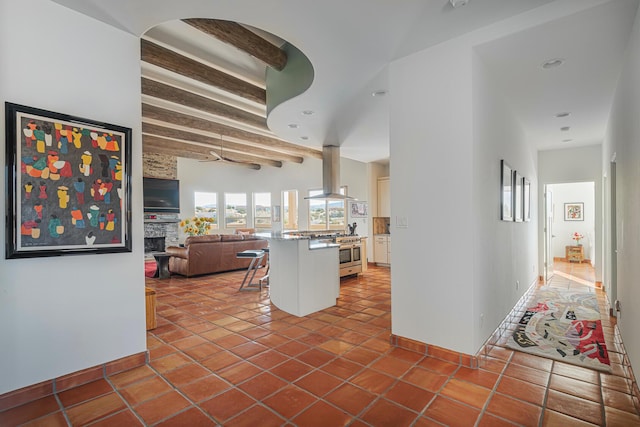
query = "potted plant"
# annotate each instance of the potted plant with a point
(577, 237)
(197, 226)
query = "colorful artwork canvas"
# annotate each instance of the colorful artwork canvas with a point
(68, 184)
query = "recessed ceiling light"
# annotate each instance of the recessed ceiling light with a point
(563, 114)
(293, 125)
(565, 128)
(307, 112)
(458, 3)
(552, 63)
(567, 140)
(304, 138)
(381, 92)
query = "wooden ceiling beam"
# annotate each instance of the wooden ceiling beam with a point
(216, 143)
(188, 99)
(180, 64)
(242, 38)
(156, 144)
(187, 121)
(173, 138)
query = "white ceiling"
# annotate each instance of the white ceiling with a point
(592, 44)
(351, 43)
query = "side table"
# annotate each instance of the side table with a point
(162, 261)
(574, 253)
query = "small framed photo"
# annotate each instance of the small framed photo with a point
(506, 191)
(526, 199)
(358, 209)
(518, 198)
(574, 211)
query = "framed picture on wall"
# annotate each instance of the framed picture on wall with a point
(358, 209)
(574, 211)
(506, 191)
(518, 198)
(526, 199)
(68, 184)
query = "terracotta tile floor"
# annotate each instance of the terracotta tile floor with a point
(220, 357)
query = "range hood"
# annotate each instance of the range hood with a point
(330, 175)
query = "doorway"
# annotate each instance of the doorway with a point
(570, 212)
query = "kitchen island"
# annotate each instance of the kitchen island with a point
(303, 273)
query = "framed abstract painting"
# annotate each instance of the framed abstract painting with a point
(68, 184)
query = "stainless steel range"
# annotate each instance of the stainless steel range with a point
(350, 250)
(350, 255)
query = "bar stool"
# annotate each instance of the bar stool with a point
(256, 256)
(265, 278)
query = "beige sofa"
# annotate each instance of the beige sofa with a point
(212, 253)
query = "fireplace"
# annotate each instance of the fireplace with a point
(160, 232)
(154, 244)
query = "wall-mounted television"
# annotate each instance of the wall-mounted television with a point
(161, 195)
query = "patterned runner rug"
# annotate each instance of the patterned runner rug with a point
(563, 325)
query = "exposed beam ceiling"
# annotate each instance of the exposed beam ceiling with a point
(191, 101)
(244, 39)
(193, 69)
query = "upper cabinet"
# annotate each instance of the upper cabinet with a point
(384, 197)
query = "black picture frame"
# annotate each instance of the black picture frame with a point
(518, 201)
(68, 184)
(526, 199)
(506, 191)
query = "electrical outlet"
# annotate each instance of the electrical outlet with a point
(517, 284)
(481, 319)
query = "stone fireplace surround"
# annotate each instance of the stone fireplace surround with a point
(160, 226)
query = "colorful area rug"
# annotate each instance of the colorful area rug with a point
(150, 268)
(563, 325)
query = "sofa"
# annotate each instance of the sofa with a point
(212, 253)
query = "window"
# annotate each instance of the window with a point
(262, 210)
(289, 210)
(235, 212)
(206, 205)
(327, 214)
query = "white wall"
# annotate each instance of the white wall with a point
(572, 165)
(580, 192)
(431, 295)
(623, 138)
(63, 314)
(448, 129)
(504, 253)
(220, 178)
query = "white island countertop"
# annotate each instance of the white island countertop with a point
(304, 273)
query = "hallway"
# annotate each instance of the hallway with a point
(219, 357)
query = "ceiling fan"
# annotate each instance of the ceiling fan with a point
(220, 157)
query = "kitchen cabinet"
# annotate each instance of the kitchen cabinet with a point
(384, 197)
(382, 249)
